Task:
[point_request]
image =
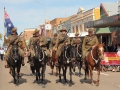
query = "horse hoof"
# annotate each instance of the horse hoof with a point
(43, 86)
(56, 74)
(59, 80)
(85, 78)
(92, 84)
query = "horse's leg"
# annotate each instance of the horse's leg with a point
(18, 71)
(70, 68)
(59, 72)
(52, 67)
(56, 70)
(13, 74)
(37, 71)
(65, 70)
(80, 66)
(91, 74)
(98, 72)
(43, 73)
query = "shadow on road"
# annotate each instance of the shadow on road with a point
(64, 83)
(88, 81)
(39, 81)
(21, 81)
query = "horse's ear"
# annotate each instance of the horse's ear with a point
(103, 44)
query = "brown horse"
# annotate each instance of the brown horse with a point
(52, 62)
(93, 59)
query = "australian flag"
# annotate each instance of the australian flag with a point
(8, 24)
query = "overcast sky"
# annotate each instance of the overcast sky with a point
(29, 13)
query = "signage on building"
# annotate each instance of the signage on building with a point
(48, 27)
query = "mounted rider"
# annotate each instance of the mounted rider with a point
(53, 41)
(13, 39)
(76, 41)
(89, 42)
(42, 42)
(62, 39)
(30, 45)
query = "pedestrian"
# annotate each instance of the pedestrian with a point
(2, 53)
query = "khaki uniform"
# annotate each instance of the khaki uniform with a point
(87, 45)
(31, 42)
(60, 45)
(43, 41)
(10, 38)
(52, 44)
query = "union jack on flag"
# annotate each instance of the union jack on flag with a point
(8, 24)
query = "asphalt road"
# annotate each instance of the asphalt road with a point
(109, 81)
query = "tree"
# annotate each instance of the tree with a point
(0, 36)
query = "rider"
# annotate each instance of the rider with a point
(53, 41)
(30, 44)
(89, 42)
(76, 40)
(13, 39)
(62, 39)
(42, 42)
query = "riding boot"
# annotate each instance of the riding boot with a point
(23, 61)
(83, 63)
(6, 64)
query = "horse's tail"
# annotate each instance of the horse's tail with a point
(87, 71)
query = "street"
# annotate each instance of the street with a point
(109, 81)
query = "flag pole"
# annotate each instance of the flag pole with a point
(4, 22)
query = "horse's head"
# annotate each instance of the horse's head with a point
(100, 51)
(39, 53)
(14, 52)
(69, 52)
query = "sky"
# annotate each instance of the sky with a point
(30, 13)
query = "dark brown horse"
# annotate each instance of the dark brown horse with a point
(93, 59)
(52, 62)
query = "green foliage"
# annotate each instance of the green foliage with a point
(0, 36)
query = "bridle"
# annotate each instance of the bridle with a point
(96, 60)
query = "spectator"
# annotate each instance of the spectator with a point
(115, 48)
(118, 50)
(2, 53)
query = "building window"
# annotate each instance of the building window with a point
(73, 30)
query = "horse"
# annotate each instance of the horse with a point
(78, 59)
(93, 59)
(14, 62)
(52, 62)
(65, 59)
(40, 60)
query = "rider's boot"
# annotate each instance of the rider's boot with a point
(23, 63)
(83, 64)
(6, 64)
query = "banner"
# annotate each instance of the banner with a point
(8, 23)
(42, 28)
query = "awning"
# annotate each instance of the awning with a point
(104, 30)
(112, 21)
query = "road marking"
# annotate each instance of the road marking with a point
(102, 73)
